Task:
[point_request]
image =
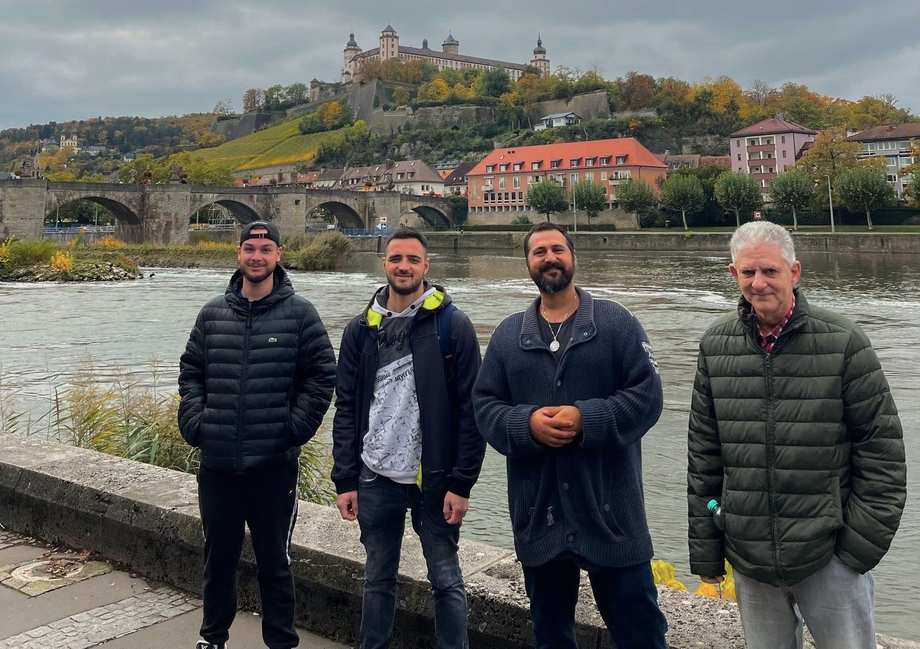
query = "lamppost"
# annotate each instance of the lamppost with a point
(830, 201)
(574, 209)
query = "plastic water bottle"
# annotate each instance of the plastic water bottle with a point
(716, 511)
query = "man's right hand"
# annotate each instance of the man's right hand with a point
(348, 505)
(713, 580)
(544, 431)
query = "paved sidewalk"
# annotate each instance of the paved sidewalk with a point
(57, 599)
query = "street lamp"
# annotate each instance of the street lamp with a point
(830, 202)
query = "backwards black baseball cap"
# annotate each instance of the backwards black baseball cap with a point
(271, 232)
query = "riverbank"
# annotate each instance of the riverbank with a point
(658, 241)
(110, 259)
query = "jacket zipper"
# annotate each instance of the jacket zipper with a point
(239, 405)
(771, 456)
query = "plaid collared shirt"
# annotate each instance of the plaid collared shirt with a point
(767, 337)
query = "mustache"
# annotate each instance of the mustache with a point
(550, 265)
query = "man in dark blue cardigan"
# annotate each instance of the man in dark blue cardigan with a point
(566, 392)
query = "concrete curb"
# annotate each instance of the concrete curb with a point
(147, 519)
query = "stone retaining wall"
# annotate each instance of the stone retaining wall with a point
(147, 519)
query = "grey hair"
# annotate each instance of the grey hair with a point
(760, 232)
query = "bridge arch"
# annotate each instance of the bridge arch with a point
(241, 212)
(345, 215)
(432, 216)
(122, 213)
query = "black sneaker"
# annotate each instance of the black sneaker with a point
(204, 644)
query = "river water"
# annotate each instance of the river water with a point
(50, 332)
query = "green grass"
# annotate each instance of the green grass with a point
(279, 144)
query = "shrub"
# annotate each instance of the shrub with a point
(206, 244)
(109, 242)
(520, 220)
(323, 252)
(22, 254)
(62, 261)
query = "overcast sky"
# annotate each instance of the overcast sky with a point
(62, 60)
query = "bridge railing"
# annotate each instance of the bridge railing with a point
(361, 232)
(65, 230)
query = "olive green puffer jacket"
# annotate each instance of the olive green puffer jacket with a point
(802, 447)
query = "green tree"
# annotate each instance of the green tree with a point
(829, 156)
(589, 197)
(546, 197)
(792, 190)
(738, 192)
(914, 188)
(865, 188)
(684, 194)
(274, 97)
(296, 94)
(635, 196)
(401, 97)
(493, 83)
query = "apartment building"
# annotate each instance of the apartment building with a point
(499, 182)
(768, 148)
(405, 176)
(894, 143)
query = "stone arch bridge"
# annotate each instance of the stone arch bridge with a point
(161, 213)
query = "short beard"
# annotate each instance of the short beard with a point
(552, 286)
(404, 290)
(256, 279)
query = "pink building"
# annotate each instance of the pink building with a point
(768, 148)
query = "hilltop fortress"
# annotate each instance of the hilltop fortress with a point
(449, 57)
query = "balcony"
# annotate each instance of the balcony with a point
(766, 148)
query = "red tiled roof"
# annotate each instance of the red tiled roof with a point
(458, 175)
(889, 132)
(636, 155)
(773, 126)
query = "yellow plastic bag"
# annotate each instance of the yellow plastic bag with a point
(725, 590)
(666, 575)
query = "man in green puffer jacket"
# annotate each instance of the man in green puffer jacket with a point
(793, 430)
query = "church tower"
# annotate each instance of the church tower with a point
(539, 60)
(351, 51)
(389, 44)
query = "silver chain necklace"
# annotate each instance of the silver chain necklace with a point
(554, 345)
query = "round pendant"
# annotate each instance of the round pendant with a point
(554, 346)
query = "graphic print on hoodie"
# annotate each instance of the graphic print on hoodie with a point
(393, 443)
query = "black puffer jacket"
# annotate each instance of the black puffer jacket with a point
(803, 448)
(256, 378)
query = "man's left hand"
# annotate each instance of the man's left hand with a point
(567, 418)
(455, 508)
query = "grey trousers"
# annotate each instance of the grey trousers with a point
(836, 604)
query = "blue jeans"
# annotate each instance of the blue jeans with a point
(836, 603)
(626, 599)
(382, 506)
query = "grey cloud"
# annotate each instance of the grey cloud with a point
(68, 60)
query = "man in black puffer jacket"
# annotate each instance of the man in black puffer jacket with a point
(794, 433)
(256, 379)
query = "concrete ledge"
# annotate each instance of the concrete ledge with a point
(147, 519)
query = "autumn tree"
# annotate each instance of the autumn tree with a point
(739, 193)
(589, 197)
(636, 91)
(253, 100)
(865, 188)
(434, 90)
(296, 94)
(831, 155)
(547, 197)
(683, 194)
(635, 196)
(792, 190)
(877, 111)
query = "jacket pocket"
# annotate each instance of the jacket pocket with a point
(836, 501)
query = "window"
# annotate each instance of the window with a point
(503, 167)
(501, 182)
(782, 139)
(621, 159)
(516, 182)
(487, 182)
(554, 164)
(768, 140)
(753, 141)
(534, 166)
(589, 162)
(490, 169)
(574, 179)
(739, 156)
(518, 166)
(605, 160)
(535, 179)
(574, 162)
(603, 175)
